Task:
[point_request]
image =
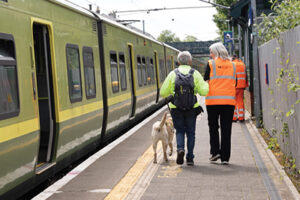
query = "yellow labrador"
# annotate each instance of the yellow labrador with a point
(163, 131)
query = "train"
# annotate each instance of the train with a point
(70, 81)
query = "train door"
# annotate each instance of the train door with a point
(156, 75)
(45, 96)
(131, 77)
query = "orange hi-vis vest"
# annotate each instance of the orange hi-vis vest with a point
(241, 74)
(222, 80)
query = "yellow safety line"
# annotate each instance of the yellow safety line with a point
(122, 189)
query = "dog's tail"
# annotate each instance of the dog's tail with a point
(162, 121)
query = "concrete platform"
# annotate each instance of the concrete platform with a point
(125, 170)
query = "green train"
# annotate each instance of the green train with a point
(70, 80)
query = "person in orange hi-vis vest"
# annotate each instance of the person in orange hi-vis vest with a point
(220, 74)
(242, 83)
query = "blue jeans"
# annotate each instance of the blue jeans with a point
(185, 123)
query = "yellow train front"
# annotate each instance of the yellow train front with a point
(70, 80)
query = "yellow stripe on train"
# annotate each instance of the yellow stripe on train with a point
(79, 111)
(18, 129)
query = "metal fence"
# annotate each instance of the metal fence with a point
(275, 57)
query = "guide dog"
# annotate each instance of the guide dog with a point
(163, 131)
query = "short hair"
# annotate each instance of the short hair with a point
(219, 50)
(234, 57)
(184, 57)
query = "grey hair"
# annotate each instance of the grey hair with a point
(184, 58)
(219, 50)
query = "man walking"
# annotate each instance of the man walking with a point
(183, 84)
(242, 83)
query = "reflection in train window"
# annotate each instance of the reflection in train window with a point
(114, 72)
(148, 71)
(9, 95)
(122, 71)
(162, 70)
(144, 71)
(152, 71)
(169, 64)
(139, 71)
(74, 75)
(89, 72)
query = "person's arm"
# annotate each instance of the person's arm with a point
(166, 88)
(207, 72)
(201, 87)
(247, 83)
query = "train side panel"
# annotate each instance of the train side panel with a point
(130, 70)
(19, 132)
(54, 107)
(80, 94)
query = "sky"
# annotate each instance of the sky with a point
(196, 22)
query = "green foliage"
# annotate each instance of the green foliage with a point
(273, 144)
(285, 16)
(190, 38)
(222, 15)
(168, 36)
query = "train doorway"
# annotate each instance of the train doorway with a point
(131, 69)
(45, 96)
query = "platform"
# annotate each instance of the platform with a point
(125, 170)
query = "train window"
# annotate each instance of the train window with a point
(74, 74)
(162, 71)
(144, 71)
(149, 78)
(152, 71)
(9, 93)
(139, 70)
(114, 72)
(89, 72)
(122, 71)
(169, 64)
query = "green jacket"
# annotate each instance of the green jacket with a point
(168, 87)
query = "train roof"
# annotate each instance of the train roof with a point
(77, 8)
(108, 20)
(173, 48)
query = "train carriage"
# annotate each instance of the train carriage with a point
(52, 104)
(70, 80)
(130, 70)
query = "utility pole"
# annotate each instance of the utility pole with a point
(256, 77)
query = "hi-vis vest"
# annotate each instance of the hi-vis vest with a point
(241, 74)
(222, 80)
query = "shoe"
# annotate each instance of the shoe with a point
(180, 155)
(234, 121)
(224, 163)
(242, 120)
(215, 157)
(190, 161)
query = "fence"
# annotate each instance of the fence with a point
(279, 64)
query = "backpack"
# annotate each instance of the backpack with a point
(184, 98)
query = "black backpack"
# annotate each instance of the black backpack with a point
(184, 98)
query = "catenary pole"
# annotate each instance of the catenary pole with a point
(256, 78)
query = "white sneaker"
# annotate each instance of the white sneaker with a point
(224, 162)
(215, 157)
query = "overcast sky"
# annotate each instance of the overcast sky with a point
(197, 22)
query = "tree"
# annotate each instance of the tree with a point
(190, 38)
(168, 36)
(222, 15)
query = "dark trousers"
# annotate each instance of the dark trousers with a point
(225, 114)
(185, 124)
